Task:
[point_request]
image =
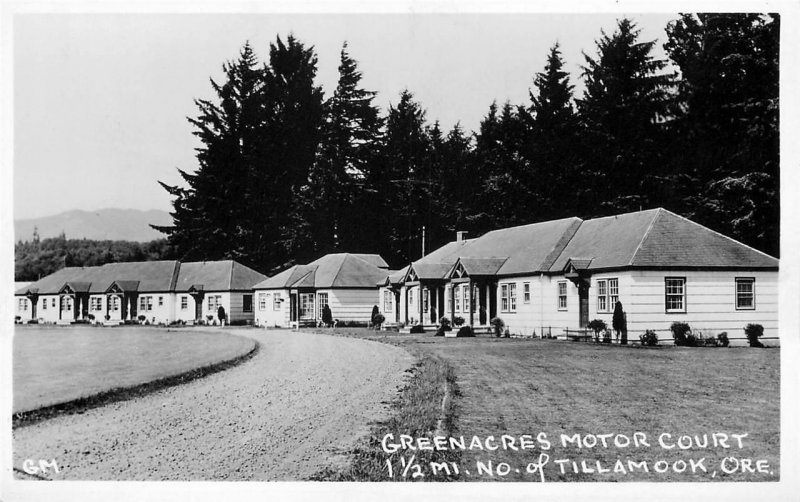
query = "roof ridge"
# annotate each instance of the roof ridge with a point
(339, 270)
(555, 258)
(644, 236)
(230, 277)
(176, 271)
(721, 235)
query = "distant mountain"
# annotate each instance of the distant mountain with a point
(111, 224)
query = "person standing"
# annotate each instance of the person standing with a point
(221, 315)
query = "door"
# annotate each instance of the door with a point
(583, 301)
(293, 307)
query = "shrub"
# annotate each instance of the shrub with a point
(375, 311)
(327, 315)
(17, 319)
(679, 331)
(91, 317)
(649, 338)
(458, 320)
(498, 325)
(722, 339)
(378, 319)
(210, 318)
(444, 325)
(141, 318)
(693, 340)
(596, 325)
(465, 332)
(417, 328)
(753, 333)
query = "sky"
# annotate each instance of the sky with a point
(101, 100)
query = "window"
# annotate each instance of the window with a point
(388, 301)
(160, 301)
(145, 303)
(262, 302)
(247, 303)
(66, 303)
(22, 304)
(307, 305)
(508, 297)
(44, 304)
(276, 301)
(457, 299)
(467, 300)
(562, 295)
(53, 303)
(745, 293)
(322, 300)
(613, 293)
(184, 302)
(607, 294)
(675, 294)
(95, 303)
(214, 302)
(425, 300)
(113, 303)
(526, 292)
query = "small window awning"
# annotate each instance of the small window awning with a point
(476, 267)
(122, 287)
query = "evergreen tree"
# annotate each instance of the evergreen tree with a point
(209, 214)
(623, 110)
(553, 134)
(349, 140)
(726, 149)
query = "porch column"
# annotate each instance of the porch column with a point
(421, 311)
(404, 293)
(471, 299)
(452, 302)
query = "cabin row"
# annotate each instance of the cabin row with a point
(157, 292)
(541, 279)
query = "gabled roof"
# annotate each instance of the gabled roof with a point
(426, 271)
(337, 270)
(223, 275)
(476, 267)
(151, 275)
(656, 238)
(374, 259)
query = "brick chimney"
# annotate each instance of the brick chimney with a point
(461, 236)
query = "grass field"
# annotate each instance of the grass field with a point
(522, 386)
(59, 364)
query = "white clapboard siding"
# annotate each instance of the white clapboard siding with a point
(351, 304)
(268, 316)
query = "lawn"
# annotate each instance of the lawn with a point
(522, 386)
(59, 364)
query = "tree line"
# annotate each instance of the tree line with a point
(286, 174)
(38, 258)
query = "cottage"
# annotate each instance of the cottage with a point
(343, 281)
(551, 276)
(161, 291)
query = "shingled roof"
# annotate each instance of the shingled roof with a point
(657, 238)
(338, 270)
(149, 276)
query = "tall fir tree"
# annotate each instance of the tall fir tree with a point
(726, 153)
(350, 137)
(623, 111)
(210, 213)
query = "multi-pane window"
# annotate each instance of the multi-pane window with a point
(388, 301)
(526, 292)
(247, 303)
(467, 300)
(322, 300)
(607, 294)
(276, 301)
(214, 302)
(508, 297)
(562, 295)
(307, 305)
(53, 302)
(22, 304)
(457, 298)
(95, 303)
(262, 301)
(160, 301)
(184, 302)
(145, 303)
(113, 303)
(745, 293)
(44, 304)
(66, 303)
(425, 300)
(675, 294)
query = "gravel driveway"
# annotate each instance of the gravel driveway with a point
(298, 406)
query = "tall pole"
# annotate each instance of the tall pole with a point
(423, 241)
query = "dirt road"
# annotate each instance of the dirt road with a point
(293, 409)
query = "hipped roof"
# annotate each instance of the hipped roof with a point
(338, 270)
